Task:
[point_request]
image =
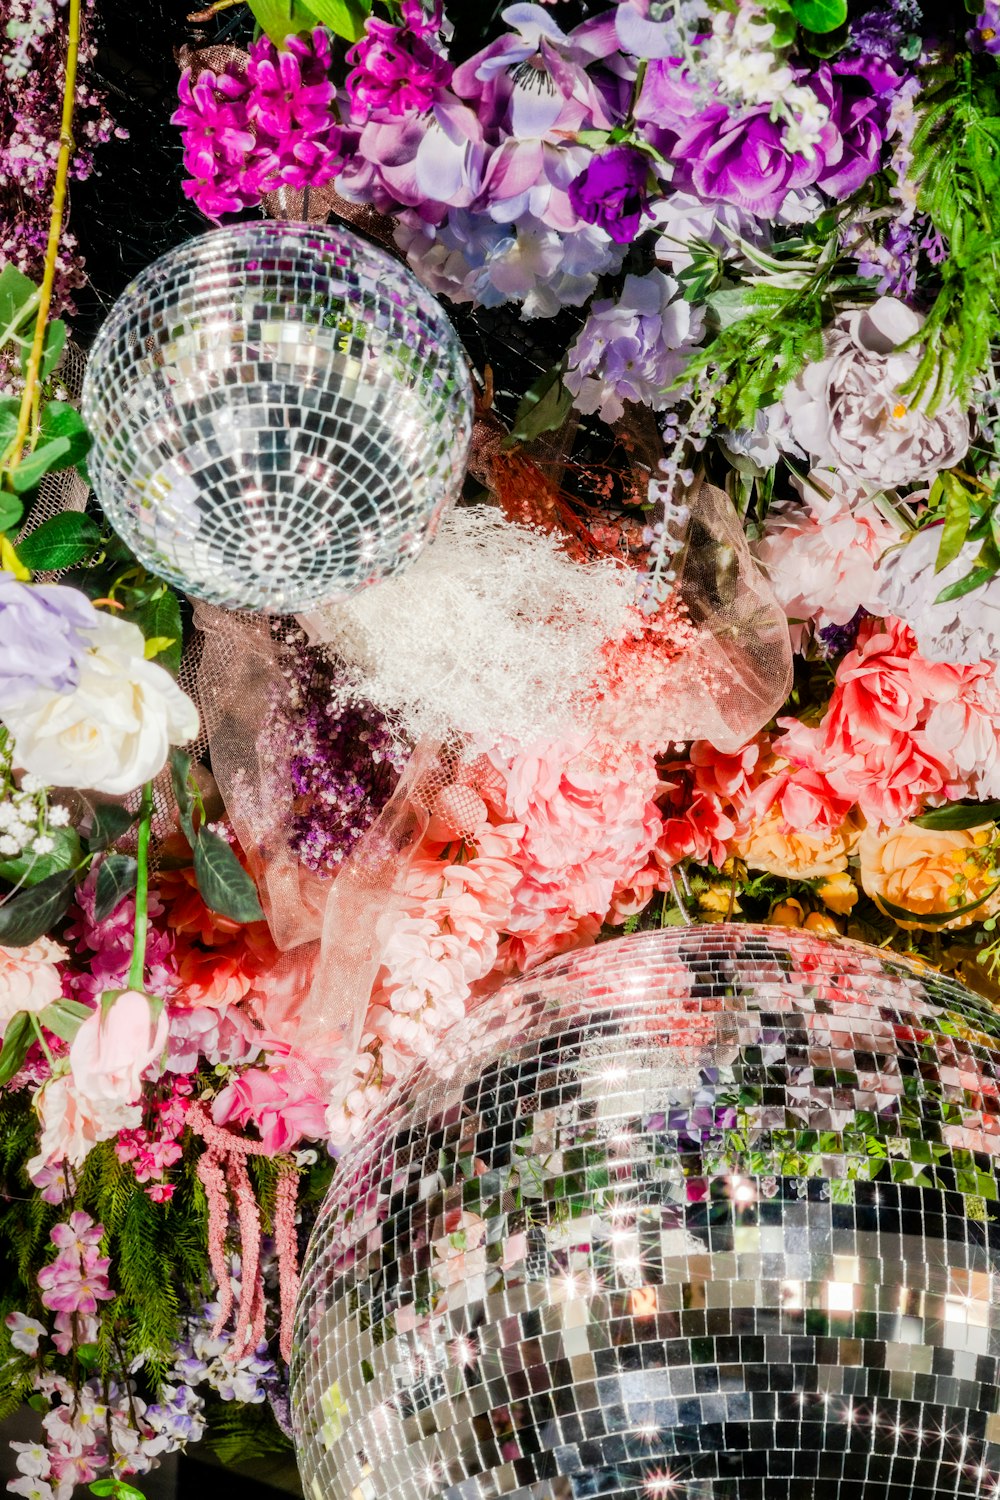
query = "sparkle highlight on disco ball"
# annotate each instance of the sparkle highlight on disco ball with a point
(280, 414)
(704, 1214)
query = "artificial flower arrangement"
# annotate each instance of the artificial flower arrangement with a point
(769, 230)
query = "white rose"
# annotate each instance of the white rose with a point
(115, 729)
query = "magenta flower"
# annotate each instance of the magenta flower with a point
(291, 111)
(217, 140)
(613, 192)
(395, 72)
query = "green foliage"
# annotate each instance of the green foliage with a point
(35, 911)
(281, 18)
(956, 168)
(115, 880)
(29, 869)
(61, 542)
(238, 1434)
(544, 407)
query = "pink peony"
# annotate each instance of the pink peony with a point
(589, 822)
(29, 979)
(728, 777)
(72, 1123)
(111, 1051)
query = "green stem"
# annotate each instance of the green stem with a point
(41, 1040)
(137, 967)
(12, 456)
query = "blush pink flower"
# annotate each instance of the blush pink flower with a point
(283, 1102)
(458, 1247)
(72, 1123)
(111, 1051)
(29, 979)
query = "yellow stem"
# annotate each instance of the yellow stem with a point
(12, 457)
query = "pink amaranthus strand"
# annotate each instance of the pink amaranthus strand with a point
(225, 1159)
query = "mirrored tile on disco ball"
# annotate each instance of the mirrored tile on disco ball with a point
(705, 1214)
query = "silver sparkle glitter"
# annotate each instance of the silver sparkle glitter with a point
(708, 1214)
(280, 413)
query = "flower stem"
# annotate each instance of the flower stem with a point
(12, 457)
(41, 1040)
(137, 968)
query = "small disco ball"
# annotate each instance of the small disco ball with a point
(280, 414)
(703, 1213)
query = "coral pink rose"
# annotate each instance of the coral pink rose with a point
(885, 688)
(728, 777)
(111, 1051)
(29, 979)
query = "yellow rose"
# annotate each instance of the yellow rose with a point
(786, 914)
(796, 855)
(927, 871)
(821, 925)
(838, 893)
(717, 904)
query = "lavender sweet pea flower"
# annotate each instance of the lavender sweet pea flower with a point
(42, 638)
(613, 192)
(645, 28)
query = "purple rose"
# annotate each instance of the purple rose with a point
(613, 192)
(858, 120)
(742, 159)
(42, 637)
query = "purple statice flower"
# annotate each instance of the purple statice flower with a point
(338, 755)
(633, 349)
(291, 112)
(613, 192)
(395, 71)
(836, 640)
(883, 31)
(217, 140)
(894, 263)
(43, 635)
(985, 35)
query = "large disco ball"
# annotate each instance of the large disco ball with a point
(280, 414)
(704, 1213)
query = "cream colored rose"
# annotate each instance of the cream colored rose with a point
(795, 855)
(927, 871)
(115, 729)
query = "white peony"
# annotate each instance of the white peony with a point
(115, 729)
(963, 630)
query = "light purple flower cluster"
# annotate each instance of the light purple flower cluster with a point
(43, 635)
(250, 132)
(32, 69)
(633, 348)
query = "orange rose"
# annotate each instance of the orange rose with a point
(793, 854)
(927, 871)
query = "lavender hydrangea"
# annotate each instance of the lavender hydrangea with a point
(633, 349)
(43, 635)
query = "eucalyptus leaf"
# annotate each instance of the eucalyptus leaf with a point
(960, 815)
(115, 880)
(225, 886)
(32, 913)
(17, 1038)
(60, 542)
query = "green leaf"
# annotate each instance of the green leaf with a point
(61, 542)
(31, 914)
(344, 18)
(963, 586)
(225, 886)
(957, 516)
(52, 348)
(936, 919)
(16, 291)
(115, 880)
(30, 869)
(282, 18)
(16, 1040)
(111, 820)
(63, 422)
(64, 1017)
(180, 776)
(960, 815)
(89, 1355)
(160, 619)
(544, 407)
(825, 44)
(34, 466)
(820, 15)
(11, 511)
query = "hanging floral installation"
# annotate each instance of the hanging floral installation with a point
(712, 634)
